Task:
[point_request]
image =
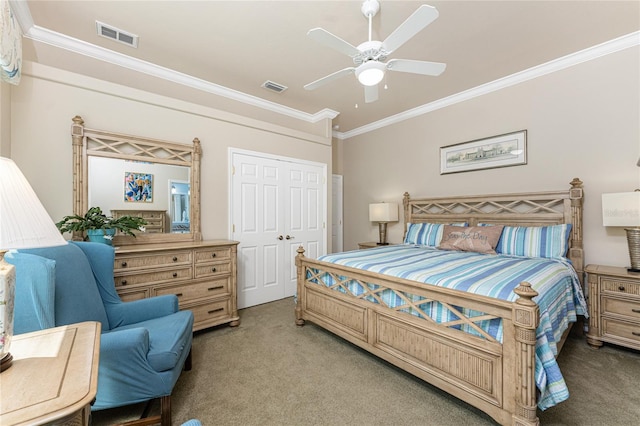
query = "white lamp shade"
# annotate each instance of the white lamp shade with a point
(24, 222)
(383, 212)
(621, 209)
(370, 73)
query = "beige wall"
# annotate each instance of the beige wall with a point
(5, 119)
(43, 104)
(583, 122)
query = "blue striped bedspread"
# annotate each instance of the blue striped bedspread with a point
(560, 296)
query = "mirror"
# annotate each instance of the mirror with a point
(128, 175)
(180, 192)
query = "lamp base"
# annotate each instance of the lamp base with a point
(382, 230)
(382, 244)
(635, 270)
(633, 240)
(6, 362)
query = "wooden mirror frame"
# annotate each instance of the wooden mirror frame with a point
(88, 142)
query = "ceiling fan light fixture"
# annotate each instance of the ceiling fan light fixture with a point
(370, 73)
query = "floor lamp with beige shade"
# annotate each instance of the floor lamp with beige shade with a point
(24, 223)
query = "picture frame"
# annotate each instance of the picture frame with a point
(138, 187)
(509, 149)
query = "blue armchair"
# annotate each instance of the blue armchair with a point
(144, 344)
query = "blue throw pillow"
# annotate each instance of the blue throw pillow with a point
(535, 241)
(426, 234)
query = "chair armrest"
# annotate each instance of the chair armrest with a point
(141, 310)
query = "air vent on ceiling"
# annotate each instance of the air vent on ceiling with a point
(274, 87)
(116, 34)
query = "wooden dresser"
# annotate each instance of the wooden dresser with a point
(614, 306)
(202, 274)
(156, 219)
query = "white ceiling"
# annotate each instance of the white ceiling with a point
(208, 48)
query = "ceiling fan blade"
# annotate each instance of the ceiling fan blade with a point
(329, 78)
(370, 94)
(422, 17)
(325, 37)
(416, 67)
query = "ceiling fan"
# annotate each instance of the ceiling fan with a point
(370, 56)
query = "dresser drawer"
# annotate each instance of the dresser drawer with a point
(123, 263)
(130, 295)
(628, 308)
(619, 286)
(152, 215)
(621, 329)
(210, 312)
(213, 254)
(212, 270)
(154, 277)
(193, 291)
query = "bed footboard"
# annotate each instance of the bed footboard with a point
(496, 377)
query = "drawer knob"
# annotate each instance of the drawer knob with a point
(124, 264)
(637, 311)
(213, 269)
(218, 287)
(123, 282)
(175, 259)
(179, 294)
(621, 288)
(175, 274)
(213, 255)
(215, 310)
(635, 333)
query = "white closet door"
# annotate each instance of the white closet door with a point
(277, 206)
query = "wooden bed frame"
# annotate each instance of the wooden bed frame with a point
(498, 378)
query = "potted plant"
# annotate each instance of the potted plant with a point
(100, 227)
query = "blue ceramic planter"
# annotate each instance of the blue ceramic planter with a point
(98, 235)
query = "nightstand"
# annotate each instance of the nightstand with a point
(370, 244)
(614, 306)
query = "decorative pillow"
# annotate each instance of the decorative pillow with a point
(481, 239)
(426, 234)
(535, 241)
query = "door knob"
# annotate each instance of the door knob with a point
(289, 237)
(280, 237)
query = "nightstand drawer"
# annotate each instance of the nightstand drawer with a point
(621, 286)
(628, 308)
(621, 329)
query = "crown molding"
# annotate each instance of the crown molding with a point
(594, 52)
(34, 32)
(80, 47)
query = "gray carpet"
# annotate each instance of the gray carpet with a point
(268, 371)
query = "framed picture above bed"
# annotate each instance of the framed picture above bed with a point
(496, 151)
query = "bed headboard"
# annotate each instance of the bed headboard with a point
(524, 209)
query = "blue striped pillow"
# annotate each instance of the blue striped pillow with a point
(426, 234)
(541, 241)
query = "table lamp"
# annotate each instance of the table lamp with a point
(623, 209)
(24, 223)
(383, 213)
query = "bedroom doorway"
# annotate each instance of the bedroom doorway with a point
(277, 204)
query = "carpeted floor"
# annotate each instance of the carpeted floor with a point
(268, 371)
